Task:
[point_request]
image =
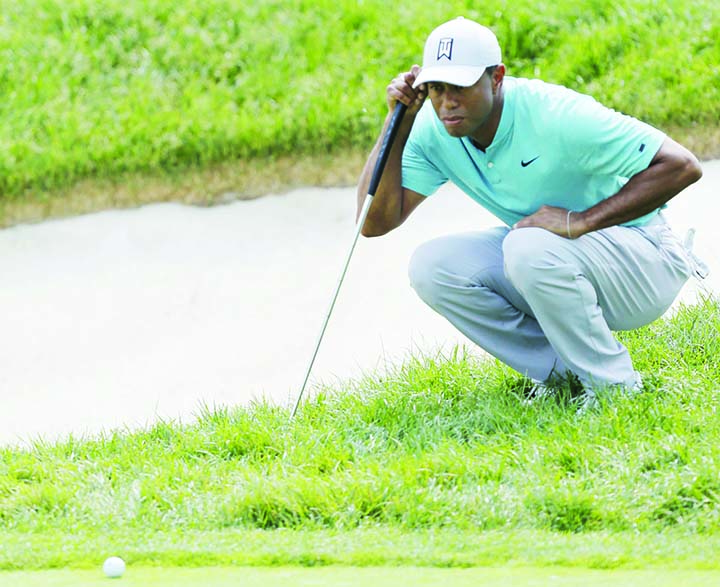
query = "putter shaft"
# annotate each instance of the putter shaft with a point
(383, 155)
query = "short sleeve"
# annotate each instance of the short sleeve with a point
(606, 142)
(419, 173)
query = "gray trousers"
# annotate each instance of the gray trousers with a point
(544, 304)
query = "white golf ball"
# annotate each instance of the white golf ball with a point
(114, 567)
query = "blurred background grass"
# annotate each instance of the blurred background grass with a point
(99, 89)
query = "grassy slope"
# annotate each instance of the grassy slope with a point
(101, 89)
(440, 462)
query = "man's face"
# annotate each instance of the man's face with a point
(463, 110)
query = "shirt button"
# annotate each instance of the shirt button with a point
(491, 165)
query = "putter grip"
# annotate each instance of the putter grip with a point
(386, 146)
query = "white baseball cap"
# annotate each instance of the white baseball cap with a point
(458, 52)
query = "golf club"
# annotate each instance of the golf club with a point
(383, 155)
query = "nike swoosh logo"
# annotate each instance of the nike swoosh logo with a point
(526, 163)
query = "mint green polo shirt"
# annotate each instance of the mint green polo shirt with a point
(553, 147)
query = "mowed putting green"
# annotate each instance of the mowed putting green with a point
(363, 576)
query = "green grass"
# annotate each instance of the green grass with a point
(380, 577)
(439, 461)
(102, 89)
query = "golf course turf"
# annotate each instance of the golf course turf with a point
(362, 577)
(435, 472)
(439, 462)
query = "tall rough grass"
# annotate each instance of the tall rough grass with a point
(98, 89)
(438, 443)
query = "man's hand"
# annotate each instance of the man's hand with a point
(672, 169)
(401, 90)
(558, 220)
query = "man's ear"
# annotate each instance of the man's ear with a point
(498, 77)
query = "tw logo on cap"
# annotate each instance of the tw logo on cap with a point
(445, 47)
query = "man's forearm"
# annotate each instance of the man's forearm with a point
(673, 169)
(386, 212)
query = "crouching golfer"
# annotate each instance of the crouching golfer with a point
(579, 187)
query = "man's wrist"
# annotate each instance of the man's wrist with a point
(577, 224)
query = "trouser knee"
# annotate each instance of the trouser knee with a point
(425, 265)
(531, 256)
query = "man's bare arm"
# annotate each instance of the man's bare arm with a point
(672, 170)
(392, 203)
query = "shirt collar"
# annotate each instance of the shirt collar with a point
(506, 117)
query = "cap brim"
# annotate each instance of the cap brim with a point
(457, 75)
